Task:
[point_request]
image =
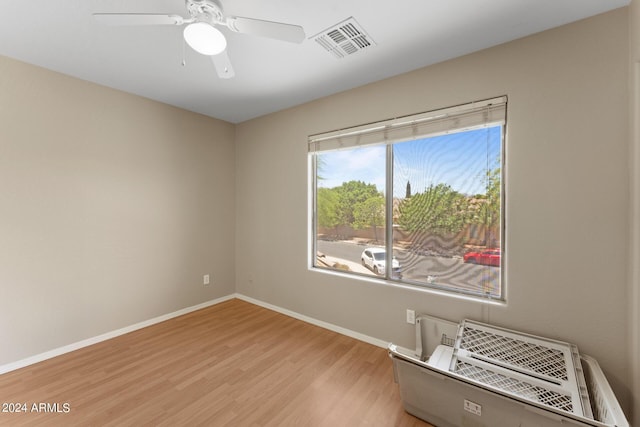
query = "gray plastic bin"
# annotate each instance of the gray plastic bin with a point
(484, 376)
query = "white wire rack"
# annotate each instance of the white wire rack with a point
(501, 378)
(538, 369)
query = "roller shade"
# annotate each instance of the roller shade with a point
(474, 115)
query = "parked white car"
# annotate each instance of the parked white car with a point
(375, 259)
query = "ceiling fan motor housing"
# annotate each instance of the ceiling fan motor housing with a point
(209, 11)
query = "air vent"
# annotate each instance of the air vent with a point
(344, 39)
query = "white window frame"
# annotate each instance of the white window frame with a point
(475, 115)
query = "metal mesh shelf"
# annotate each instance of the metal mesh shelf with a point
(484, 365)
(528, 356)
(538, 369)
(518, 387)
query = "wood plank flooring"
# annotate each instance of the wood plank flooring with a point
(233, 364)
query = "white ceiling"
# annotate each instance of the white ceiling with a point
(271, 75)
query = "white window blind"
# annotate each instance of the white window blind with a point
(469, 116)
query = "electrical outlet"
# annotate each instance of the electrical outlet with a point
(206, 279)
(411, 317)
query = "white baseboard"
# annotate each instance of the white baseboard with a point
(339, 329)
(94, 340)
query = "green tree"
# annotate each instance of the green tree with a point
(491, 214)
(408, 193)
(369, 213)
(321, 164)
(350, 194)
(488, 212)
(327, 205)
(439, 210)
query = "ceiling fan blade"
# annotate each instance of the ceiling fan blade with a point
(273, 30)
(138, 19)
(222, 65)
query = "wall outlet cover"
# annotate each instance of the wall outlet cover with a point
(411, 317)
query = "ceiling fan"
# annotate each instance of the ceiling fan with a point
(201, 33)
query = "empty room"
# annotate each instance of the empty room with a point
(288, 213)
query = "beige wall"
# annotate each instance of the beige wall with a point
(634, 253)
(567, 193)
(112, 207)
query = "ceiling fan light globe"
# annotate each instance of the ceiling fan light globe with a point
(204, 38)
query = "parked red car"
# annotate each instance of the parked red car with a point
(485, 257)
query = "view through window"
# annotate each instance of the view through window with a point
(426, 189)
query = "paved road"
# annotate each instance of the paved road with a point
(341, 249)
(421, 268)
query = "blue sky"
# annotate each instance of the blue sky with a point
(458, 159)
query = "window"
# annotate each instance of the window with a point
(416, 200)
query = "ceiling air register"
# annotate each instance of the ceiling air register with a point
(344, 39)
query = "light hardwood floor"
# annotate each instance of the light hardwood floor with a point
(233, 364)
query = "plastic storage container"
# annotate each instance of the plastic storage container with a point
(473, 374)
